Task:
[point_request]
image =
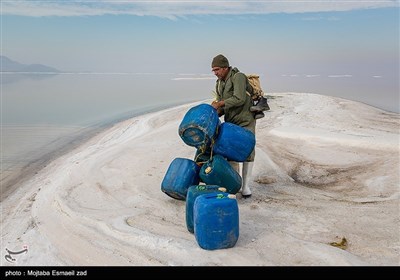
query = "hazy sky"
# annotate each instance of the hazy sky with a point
(283, 37)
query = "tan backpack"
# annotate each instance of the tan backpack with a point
(254, 81)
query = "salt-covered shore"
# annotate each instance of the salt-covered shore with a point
(325, 168)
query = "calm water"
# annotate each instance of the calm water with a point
(42, 113)
(87, 99)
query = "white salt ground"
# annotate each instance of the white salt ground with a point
(325, 168)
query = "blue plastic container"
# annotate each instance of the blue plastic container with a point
(218, 171)
(199, 125)
(216, 221)
(181, 174)
(192, 194)
(234, 142)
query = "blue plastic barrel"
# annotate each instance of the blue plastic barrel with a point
(199, 125)
(218, 171)
(234, 142)
(181, 174)
(193, 192)
(216, 221)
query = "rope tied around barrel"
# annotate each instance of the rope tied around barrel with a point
(203, 148)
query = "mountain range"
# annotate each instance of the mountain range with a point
(8, 65)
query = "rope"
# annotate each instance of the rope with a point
(203, 149)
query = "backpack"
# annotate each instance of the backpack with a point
(253, 87)
(254, 81)
(260, 101)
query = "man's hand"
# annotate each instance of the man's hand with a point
(217, 104)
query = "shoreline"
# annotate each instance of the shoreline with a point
(65, 144)
(62, 146)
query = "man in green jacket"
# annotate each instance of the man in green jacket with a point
(233, 101)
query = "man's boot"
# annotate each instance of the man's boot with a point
(262, 105)
(246, 171)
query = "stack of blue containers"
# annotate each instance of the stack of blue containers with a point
(211, 209)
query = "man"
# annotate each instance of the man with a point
(234, 102)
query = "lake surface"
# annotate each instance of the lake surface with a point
(44, 114)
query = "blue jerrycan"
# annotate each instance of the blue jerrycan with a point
(181, 174)
(216, 221)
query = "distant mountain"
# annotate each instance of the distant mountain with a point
(8, 65)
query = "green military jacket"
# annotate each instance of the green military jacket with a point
(235, 91)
